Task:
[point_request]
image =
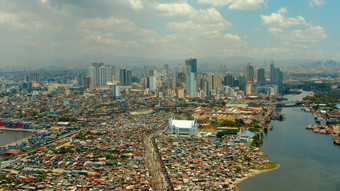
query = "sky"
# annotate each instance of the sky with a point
(46, 30)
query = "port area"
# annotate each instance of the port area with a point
(325, 123)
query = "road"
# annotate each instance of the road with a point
(159, 180)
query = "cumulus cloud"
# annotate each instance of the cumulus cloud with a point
(311, 34)
(316, 3)
(235, 4)
(141, 28)
(279, 19)
(298, 31)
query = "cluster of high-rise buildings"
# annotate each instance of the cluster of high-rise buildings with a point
(186, 82)
(100, 75)
(181, 81)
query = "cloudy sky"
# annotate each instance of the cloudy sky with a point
(169, 29)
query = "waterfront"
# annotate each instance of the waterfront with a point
(11, 136)
(308, 161)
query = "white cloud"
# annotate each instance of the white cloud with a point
(298, 32)
(135, 4)
(316, 3)
(282, 11)
(234, 4)
(279, 20)
(275, 30)
(312, 34)
(24, 21)
(246, 4)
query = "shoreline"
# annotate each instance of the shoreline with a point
(253, 174)
(18, 141)
(19, 129)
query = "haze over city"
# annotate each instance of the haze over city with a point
(51, 32)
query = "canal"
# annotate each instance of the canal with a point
(309, 161)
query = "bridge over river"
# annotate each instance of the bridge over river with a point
(286, 103)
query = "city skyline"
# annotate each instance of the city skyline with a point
(48, 32)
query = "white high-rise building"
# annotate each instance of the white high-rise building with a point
(116, 91)
(192, 85)
(153, 83)
(99, 74)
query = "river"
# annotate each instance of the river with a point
(309, 161)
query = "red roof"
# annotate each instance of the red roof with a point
(12, 151)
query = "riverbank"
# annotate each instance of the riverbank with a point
(253, 173)
(308, 160)
(19, 129)
(16, 142)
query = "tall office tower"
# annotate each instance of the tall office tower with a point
(192, 62)
(128, 77)
(113, 75)
(192, 84)
(35, 78)
(99, 74)
(125, 77)
(261, 78)
(166, 68)
(173, 83)
(228, 80)
(205, 86)
(242, 82)
(116, 91)
(153, 83)
(249, 88)
(181, 77)
(87, 82)
(276, 76)
(272, 73)
(122, 73)
(250, 73)
(80, 78)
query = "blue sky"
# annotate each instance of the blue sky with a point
(169, 29)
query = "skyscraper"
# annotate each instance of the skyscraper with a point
(125, 76)
(249, 88)
(80, 78)
(272, 73)
(166, 68)
(228, 80)
(250, 73)
(116, 91)
(99, 74)
(261, 78)
(276, 76)
(35, 78)
(87, 82)
(153, 83)
(192, 85)
(192, 62)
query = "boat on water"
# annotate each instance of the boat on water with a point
(277, 116)
(323, 131)
(309, 127)
(336, 140)
(316, 130)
